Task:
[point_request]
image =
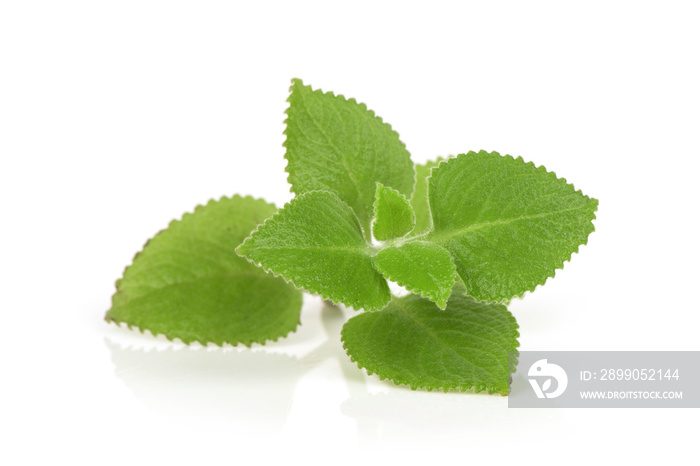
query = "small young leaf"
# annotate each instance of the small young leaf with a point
(421, 267)
(338, 145)
(414, 343)
(393, 215)
(419, 200)
(188, 283)
(316, 243)
(508, 224)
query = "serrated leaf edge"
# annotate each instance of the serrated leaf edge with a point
(196, 209)
(375, 208)
(412, 289)
(341, 96)
(447, 388)
(290, 281)
(203, 342)
(538, 168)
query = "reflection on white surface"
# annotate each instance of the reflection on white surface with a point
(418, 415)
(209, 384)
(259, 387)
(254, 386)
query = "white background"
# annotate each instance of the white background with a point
(116, 117)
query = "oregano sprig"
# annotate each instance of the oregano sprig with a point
(463, 233)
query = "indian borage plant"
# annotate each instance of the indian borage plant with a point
(465, 234)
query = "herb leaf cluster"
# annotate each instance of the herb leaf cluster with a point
(465, 234)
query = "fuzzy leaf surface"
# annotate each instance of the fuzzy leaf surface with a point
(316, 243)
(419, 199)
(393, 214)
(509, 225)
(412, 342)
(188, 282)
(424, 268)
(336, 144)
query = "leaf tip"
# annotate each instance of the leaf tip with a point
(241, 249)
(296, 82)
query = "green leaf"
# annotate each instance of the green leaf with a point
(188, 282)
(419, 200)
(421, 267)
(509, 225)
(338, 145)
(412, 342)
(316, 243)
(393, 215)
